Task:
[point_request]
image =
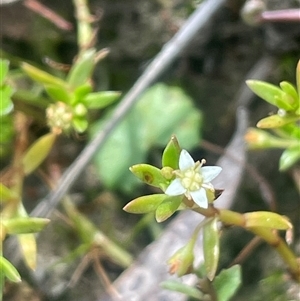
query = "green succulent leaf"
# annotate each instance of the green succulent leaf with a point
(298, 79)
(267, 219)
(80, 124)
(291, 91)
(81, 71)
(4, 67)
(149, 174)
(227, 283)
(6, 194)
(171, 154)
(176, 286)
(289, 157)
(23, 225)
(276, 121)
(100, 100)
(29, 250)
(145, 204)
(37, 152)
(81, 92)
(167, 208)
(58, 93)
(42, 76)
(270, 93)
(6, 105)
(9, 270)
(211, 247)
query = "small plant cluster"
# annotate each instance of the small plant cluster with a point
(284, 126)
(66, 109)
(186, 186)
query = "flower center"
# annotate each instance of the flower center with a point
(191, 178)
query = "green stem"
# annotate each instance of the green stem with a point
(268, 234)
(272, 238)
(84, 28)
(89, 234)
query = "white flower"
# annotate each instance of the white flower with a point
(192, 179)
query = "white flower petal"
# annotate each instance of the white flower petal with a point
(185, 160)
(210, 172)
(175, 188)
(200, 197)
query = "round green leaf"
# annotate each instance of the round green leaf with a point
(227, 282)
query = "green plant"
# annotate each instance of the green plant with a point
(186, 186)
(284, 127)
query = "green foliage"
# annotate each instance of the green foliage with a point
(273, 287)
(267, 219)
(37, 153)
(161, 112)
(176, 286)
(21, 225)
(285, 123)
(211, 247)
(8, 271)
(6, 91)
(167, 208)
(227, 282)
(72, 97)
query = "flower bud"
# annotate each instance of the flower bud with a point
(59, 117)
(181, 263)
(80, 110)
(260, 139)
(167, 173)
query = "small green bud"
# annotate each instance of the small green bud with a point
(80, 110)
(167, 173)
(260, 139)
(181, 263)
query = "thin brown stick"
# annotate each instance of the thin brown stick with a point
(80, 269)
(246, 251)
(103, 276)
(48, 14)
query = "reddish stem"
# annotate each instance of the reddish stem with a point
(48, 14)
(284, 15)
